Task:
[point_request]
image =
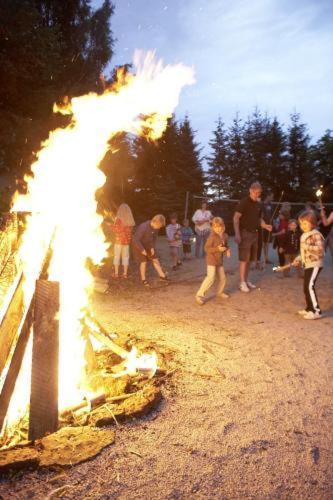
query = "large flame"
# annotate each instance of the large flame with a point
(61, 193)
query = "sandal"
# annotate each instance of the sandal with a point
(145, 283)
(164, 278)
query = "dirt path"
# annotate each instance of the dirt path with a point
(249, 414)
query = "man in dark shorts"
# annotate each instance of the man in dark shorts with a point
(247, 221)
(143, 247)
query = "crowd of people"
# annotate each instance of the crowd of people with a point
(298, 242)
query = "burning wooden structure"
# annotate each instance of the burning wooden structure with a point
(52, 285)
(39, 318)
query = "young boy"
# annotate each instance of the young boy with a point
(143, 246)
(216, 245)
(291, 246)
(312, 258)
(187, 237)
(175, 240)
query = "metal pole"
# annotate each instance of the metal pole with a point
(186, 204)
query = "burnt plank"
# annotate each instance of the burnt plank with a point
(43, 417)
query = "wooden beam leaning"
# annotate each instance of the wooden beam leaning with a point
(43, 416)
(11, 322)
(15, 364)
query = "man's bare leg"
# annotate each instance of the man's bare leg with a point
(243, 271)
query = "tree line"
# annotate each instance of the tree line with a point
(261, 148)
(50, 49)
(155, 176)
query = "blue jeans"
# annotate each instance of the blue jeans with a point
(200, 241)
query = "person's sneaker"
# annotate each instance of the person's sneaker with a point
(251, 285)
(302, 312)
(243, 287)
(312, 315)
(224, 296)
(199, 300)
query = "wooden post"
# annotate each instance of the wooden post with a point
(43, 416)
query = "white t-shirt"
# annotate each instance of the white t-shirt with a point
(201, 215)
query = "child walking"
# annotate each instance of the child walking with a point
(216, 245)
(312, 258)
(187, 238)
(174, 239)
(122, 228)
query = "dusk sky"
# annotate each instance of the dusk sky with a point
(274, 54)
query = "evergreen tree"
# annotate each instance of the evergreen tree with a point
(218, 180)
(237, 167)
(118, 166)
(167, 183)
(322, 160)
(255, 145)
(298, 169)
(165, 169)
(48, 49)
(190, 175)
(275, 178)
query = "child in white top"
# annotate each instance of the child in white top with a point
(174, 235)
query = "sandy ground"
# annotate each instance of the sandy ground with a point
(249, 413)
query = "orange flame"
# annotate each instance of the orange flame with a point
(61, 193)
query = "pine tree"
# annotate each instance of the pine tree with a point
(255, 145)
(165, 169)
(118, 166)
(237, 167)
(49, 48)
(189, 167)
(218, 180)
(275, 178)
(321, 155)
(298, 170)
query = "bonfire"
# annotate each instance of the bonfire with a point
(62, 231)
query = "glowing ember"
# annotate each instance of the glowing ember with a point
(319, 193)
(61, 198)
(141, 363)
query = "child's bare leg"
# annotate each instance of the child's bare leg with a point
(125, 269)
(174, 256)
(143, 267)
(116, 269)
(158, 268)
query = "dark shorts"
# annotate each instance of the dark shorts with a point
(187, 248)
(139, 257)
(248, 247)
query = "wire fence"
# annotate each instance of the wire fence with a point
(225, 208)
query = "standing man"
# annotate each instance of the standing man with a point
(201, 219)
(267, 214)
(247, 220)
